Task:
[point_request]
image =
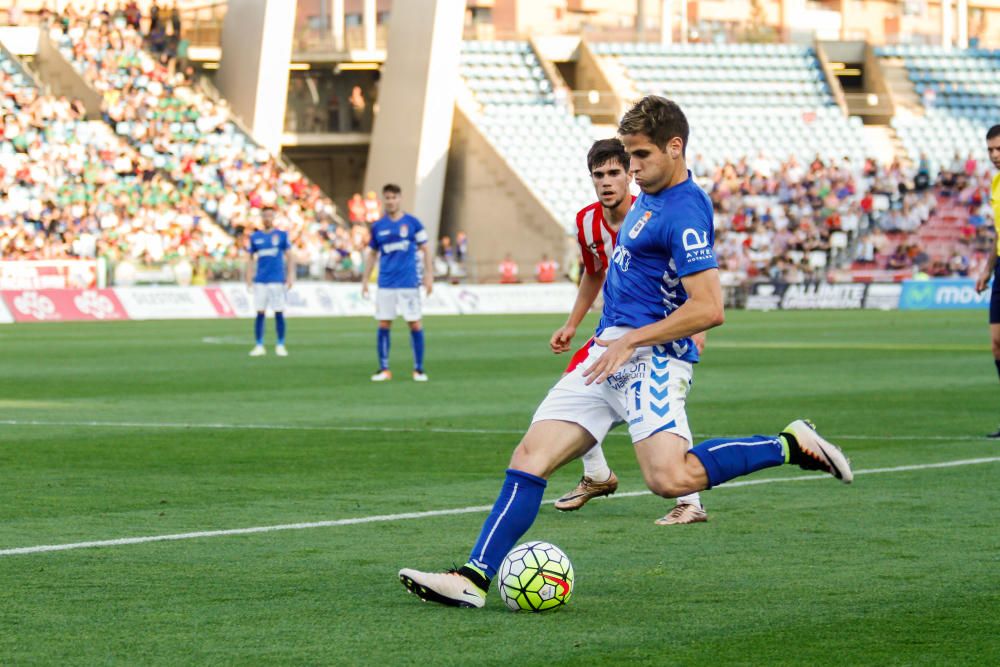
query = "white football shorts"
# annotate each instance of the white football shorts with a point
(648, 393)
(390, 303)
(267, 295)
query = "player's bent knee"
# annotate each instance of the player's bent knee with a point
(529, 458)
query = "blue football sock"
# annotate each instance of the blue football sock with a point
(417, 342)
(513, 513)
(258, 329)
(279, 326)
(726, 458)
(383, 349)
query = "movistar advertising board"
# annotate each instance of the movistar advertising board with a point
(942, 294)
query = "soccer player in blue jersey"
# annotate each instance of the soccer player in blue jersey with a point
(396, 239)
(269, 273)
(661, 288)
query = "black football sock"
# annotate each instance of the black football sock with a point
(794, 453)
(475, 577)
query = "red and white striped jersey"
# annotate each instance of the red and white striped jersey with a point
(596, 239)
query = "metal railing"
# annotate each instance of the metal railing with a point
(201, 26)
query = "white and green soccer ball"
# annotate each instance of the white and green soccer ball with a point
(535, 576)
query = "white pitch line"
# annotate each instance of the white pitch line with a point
(407, 429)
(18, 551)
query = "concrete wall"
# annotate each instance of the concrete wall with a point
(58, 75)
(253, 74)
(409, 144)
(590, 75)
(495, 208)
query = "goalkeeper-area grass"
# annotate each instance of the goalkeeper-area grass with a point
(145, 429)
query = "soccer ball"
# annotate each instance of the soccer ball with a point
(535, 576)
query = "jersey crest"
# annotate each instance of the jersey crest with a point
(637, 227)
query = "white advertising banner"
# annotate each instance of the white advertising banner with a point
(488, 299)
(50, 274)
(167, 303)
(309, 299)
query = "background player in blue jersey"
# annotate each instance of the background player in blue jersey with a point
(269, 273)
(661, 288)
(397, 239)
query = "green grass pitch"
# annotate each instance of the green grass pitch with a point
(142, 429)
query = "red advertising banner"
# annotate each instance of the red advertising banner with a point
(220, 302)
(61, 305)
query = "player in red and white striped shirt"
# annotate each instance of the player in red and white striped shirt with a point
(597, 231)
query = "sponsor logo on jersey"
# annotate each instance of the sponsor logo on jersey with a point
(694, 242)
(622, 257)
(394, 247)
(696, 245)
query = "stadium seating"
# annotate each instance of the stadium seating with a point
(504, 73)
(959, 92)
(520, 114)
(743, 99)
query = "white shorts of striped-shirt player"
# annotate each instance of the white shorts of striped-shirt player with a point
(269, 295)
(391, 303)
(648, 393)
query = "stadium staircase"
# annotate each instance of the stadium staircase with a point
(939, 236)
(742, 99)
(518, 148)
(516, 107)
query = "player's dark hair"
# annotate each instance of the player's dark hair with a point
(659, 119)
(607, 150)
(993, 132)
(393, 188)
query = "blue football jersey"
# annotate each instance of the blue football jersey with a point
(397, 242)
(665, 236)
(269, 247)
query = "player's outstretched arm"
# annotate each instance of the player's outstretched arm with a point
(702, 311)
(590, 287)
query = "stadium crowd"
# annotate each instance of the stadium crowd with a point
(180, 164)
(791, 222)
(73, 189)
(156, 104)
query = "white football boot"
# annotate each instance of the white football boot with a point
(449, 588)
